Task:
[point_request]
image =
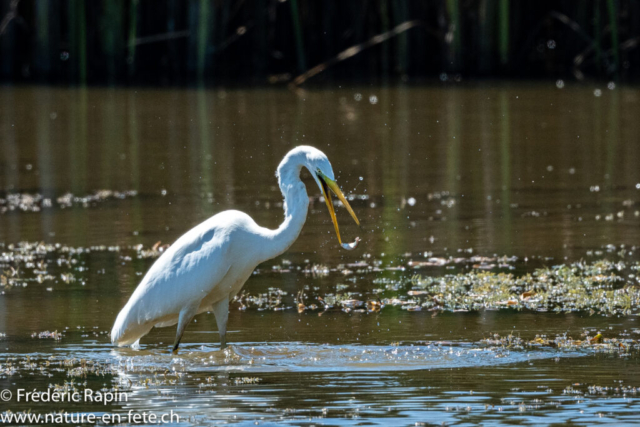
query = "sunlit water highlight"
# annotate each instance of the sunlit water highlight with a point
(298, 357)
(326, 384)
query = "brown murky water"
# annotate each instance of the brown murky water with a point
(446, 180)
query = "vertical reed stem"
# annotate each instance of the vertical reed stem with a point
(613, 23)
(453, 7)
(203, 19)
(295, 15)
(384, 17)
(504, 31)
(42, 39)
(597, 23)
(133, 30)
(82, 43)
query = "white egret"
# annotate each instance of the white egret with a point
(208, 265)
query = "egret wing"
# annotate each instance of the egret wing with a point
(188, 271)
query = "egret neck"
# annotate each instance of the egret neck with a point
(296, 204)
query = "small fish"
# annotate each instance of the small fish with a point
(351, 246)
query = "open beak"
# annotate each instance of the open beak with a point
(328, 184)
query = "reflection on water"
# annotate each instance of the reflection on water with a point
(529, 170)
(536, 174)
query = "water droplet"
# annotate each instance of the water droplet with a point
(559, 84)
(373, 99)
(597, 93)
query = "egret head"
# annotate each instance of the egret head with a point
(321, 170)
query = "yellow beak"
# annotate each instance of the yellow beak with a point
(330, 184)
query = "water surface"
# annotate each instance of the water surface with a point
(531, 174)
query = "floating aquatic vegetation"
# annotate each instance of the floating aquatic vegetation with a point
(246, 380)
(69, 199)
(25, 263)
(597, 343)
(8, 369)
(26, 202)
(154, 252)
(478, 262)
(599, 287)
(315, 270)
(594, 288)
(272, 300)
(59, 367)
(47, 335)
(603, 287)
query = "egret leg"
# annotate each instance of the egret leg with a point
(186, 315)
(221, 311)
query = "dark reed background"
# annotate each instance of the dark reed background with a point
(173, 42)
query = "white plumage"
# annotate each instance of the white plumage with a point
(207, 266)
